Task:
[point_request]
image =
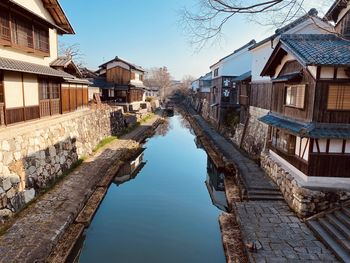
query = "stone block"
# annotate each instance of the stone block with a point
(28, 195)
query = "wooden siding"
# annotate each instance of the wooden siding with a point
(329, 165)
(260, 95)
(321, 113)
(119, 76)
(279, 95)
(2, 114)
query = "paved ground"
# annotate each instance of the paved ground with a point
(253, 175)
(282, 235)
(37, 230)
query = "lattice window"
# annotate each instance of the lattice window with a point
(338, 97)
(22, 32)
(5, 32)
(41, 39)
(2, 94)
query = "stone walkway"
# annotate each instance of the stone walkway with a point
(283, 237)
(252, 175)
(36, 231)
(279, 234)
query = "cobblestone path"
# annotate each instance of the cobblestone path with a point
(34, 234)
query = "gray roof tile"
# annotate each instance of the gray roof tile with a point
(319, 49)
(26, 67)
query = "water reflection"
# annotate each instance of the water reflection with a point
(216, 186)
(131, 169)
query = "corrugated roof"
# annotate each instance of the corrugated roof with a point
(26, 67)
(315, 49)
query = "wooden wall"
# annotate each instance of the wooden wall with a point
(279, 94)
(260, 95)
(321, 113)
(118, 76)
(73, 96)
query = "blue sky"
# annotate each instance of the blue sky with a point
(148, 33)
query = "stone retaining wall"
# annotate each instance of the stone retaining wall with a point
(255, 134)
(34, 154)
(304, 202)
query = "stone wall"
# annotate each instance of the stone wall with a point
(34, 154)
(303, 201)
(255, 134)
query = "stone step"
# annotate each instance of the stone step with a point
(344, 229)
(346, 211)
(264, 192)
(343, 217)
(256, 197)
(335, 234)
(327, 239)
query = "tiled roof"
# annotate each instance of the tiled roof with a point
(102, 83)
(318, 49)
(244, 76)
(132, 66)
(61, 62)
(26, 67)
(309, 130)
(312, 14)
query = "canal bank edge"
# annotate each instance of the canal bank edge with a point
(36, 231)
(71, 236)
(231, 234)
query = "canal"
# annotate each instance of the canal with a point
(167, 212)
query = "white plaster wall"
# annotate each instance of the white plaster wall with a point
(341, 74)
(304, 146)
(327, 73)
(13, 89)
(347, 146)
(312, 70)
(285, 59)
(118, 64)
(37, 7)
(234, 65)
(31, 90)
(336, 146)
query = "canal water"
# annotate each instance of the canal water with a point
(166, 210)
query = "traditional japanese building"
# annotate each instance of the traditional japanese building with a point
(256, 97)
(29, 87)
(121, 82)
(224, 96)
(310, 108)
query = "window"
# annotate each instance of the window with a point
(5, 32)
(338, 97)
(111, 93)
(48, 89)
(295, 96)
(140, 77)
(216, 72)
(44, 90)
(41, 37)
(23, 33)
(284, 141)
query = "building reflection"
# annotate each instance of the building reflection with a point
(131, 169)
(216, 186)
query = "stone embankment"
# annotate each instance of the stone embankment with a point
(34, 155)
(305, 202)
(61, 214)
(257, 231)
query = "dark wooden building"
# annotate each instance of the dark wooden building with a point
(123, 83)
(310, 106)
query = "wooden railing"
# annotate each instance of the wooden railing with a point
(2, 114)
(49, 107)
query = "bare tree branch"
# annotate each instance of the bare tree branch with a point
(72, 51)
(205, 23)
